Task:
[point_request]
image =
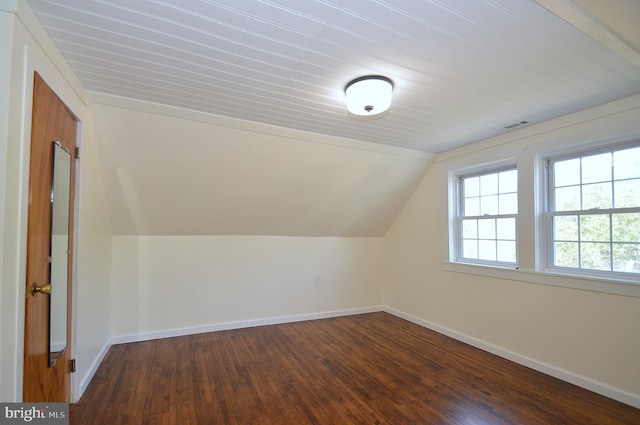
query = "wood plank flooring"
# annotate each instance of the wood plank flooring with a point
(365, 369)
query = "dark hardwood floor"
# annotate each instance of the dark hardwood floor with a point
(365, 369)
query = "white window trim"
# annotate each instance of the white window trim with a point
(547, 277)
(547, 218)
(459, 217)
(531, 242)
(453, 201)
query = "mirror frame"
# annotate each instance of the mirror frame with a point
(61, 163)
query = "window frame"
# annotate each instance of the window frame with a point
(459, 218)
(546, 244)
(529, 157)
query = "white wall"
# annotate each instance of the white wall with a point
(169, 171)
(590, 338)
(164, 283)
(94, 248)
(7, 296)
(24, 49)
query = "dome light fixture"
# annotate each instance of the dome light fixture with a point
(369, 95)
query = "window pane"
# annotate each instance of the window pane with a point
(487, 229)
(596, 196)
(595, 256)
(627, 193)
(471, 207)
(506, 228)
(596, 168)
(626, 164)
(565, 228)
(567, 198)
(472, 186)
(566, 254)
(487, 250)
(508, 204)
(470, 248)
(489, 184)
(626, 258)
(508, 181)
(470, 229)
(489, 205)
(507, 251)
(594, 228)
(626, 227)
(567, 172)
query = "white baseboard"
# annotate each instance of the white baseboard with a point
(575, 379)
(581, 381)
(86, 379)
(146, 336)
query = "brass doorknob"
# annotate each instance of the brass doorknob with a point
(44, 289)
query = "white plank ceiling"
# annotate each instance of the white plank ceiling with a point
(463, 69)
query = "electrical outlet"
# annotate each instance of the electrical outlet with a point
(316, 280)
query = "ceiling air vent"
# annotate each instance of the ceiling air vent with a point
(516, 124)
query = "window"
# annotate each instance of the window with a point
(552, 209)
(593, 213)
(487, 219)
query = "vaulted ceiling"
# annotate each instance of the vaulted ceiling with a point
(171, 172)
(228, 117)
(463, 70)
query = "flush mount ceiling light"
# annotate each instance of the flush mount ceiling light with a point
(369, 95)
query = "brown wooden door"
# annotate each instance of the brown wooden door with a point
(44, 380)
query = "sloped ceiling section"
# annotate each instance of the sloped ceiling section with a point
(227, 117)
(172, 172)
(463, 69)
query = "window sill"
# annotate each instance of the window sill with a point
(552, 278)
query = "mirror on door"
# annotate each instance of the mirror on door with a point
(59, 252)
